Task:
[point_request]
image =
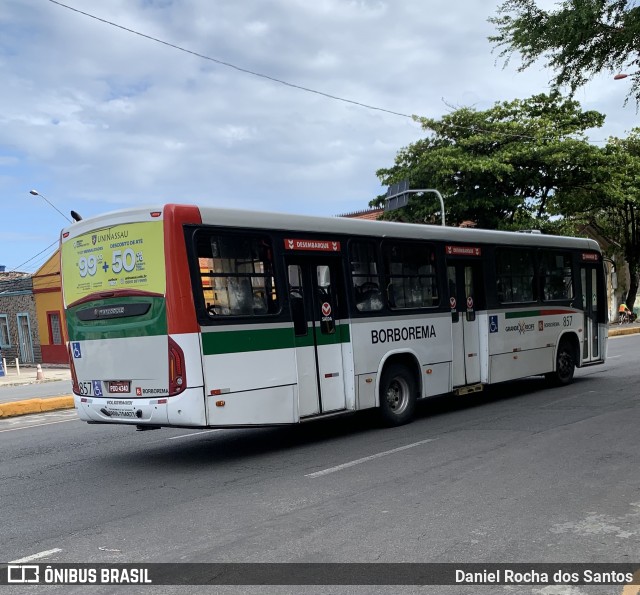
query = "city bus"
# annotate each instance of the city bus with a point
(199, 317)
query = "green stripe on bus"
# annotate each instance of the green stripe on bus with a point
(537, 313)
(151, 324)
(219, 342)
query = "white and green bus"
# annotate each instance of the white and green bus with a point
(201, 317)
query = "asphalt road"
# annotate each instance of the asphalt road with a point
(520, 473)
(31, 391)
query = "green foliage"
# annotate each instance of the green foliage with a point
(578, 40)
(612, 202)
(503, 168)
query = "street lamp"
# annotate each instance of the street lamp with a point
(36, 193)
(398, 197)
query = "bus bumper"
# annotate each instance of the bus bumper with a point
(185, 409)
(123, 411)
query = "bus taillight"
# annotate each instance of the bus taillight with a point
(177, 375)
(75, 386)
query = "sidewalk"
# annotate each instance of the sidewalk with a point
(28, 374)
(52, 373)
(616, 330)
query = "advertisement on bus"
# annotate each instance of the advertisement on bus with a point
(127, 256)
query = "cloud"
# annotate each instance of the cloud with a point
(96, 117)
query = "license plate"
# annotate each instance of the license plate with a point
(119, 386)
(121, 413)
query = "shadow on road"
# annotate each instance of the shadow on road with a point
(250, 445)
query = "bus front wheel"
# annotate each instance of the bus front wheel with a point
(397, 395)
(565, 365)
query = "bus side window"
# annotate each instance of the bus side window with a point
(236, 275)
(500, 290)
(326, 297)
(556, 276)
(515, 275)
(240, 296)
(453, 292)
(364, 276)
(411, 278)
(368, 297)
(296, 301)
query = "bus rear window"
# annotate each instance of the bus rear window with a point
(236, 275)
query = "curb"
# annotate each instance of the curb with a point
(618, 332)
(35, 406)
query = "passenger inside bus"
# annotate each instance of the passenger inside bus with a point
(368, 297)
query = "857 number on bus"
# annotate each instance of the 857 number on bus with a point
(86, 389)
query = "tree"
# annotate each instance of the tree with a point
(612, 203)
(578, 40)
(501, 167)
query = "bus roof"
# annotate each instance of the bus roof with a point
(337, 225)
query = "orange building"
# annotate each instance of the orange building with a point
(47, 290)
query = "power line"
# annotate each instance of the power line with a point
(14, 270)
(293, 85)
(229, 65)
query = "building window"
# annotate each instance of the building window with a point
(55, 330)
(5, 338)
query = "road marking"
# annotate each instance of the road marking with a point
(26, 427)
(37, 556)
(567, 398)
(613, 356)
(365, 459)
(194, 434)
(39, 417)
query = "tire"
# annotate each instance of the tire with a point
(398, 393)
(565, 365)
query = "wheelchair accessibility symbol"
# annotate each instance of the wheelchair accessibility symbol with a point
(77, 353)
(493, 324)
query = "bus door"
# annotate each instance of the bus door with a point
(590, 281)
(466, 297)
(315, 299)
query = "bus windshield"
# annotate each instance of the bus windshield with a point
(121, 257)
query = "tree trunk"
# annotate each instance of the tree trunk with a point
(634, 283)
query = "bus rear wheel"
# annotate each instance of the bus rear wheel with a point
(565, 365)
(397, 395)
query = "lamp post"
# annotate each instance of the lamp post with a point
(36, 193)
(398, 197)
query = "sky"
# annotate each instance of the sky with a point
(96, 118)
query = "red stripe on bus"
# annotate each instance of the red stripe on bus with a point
(181, 311)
